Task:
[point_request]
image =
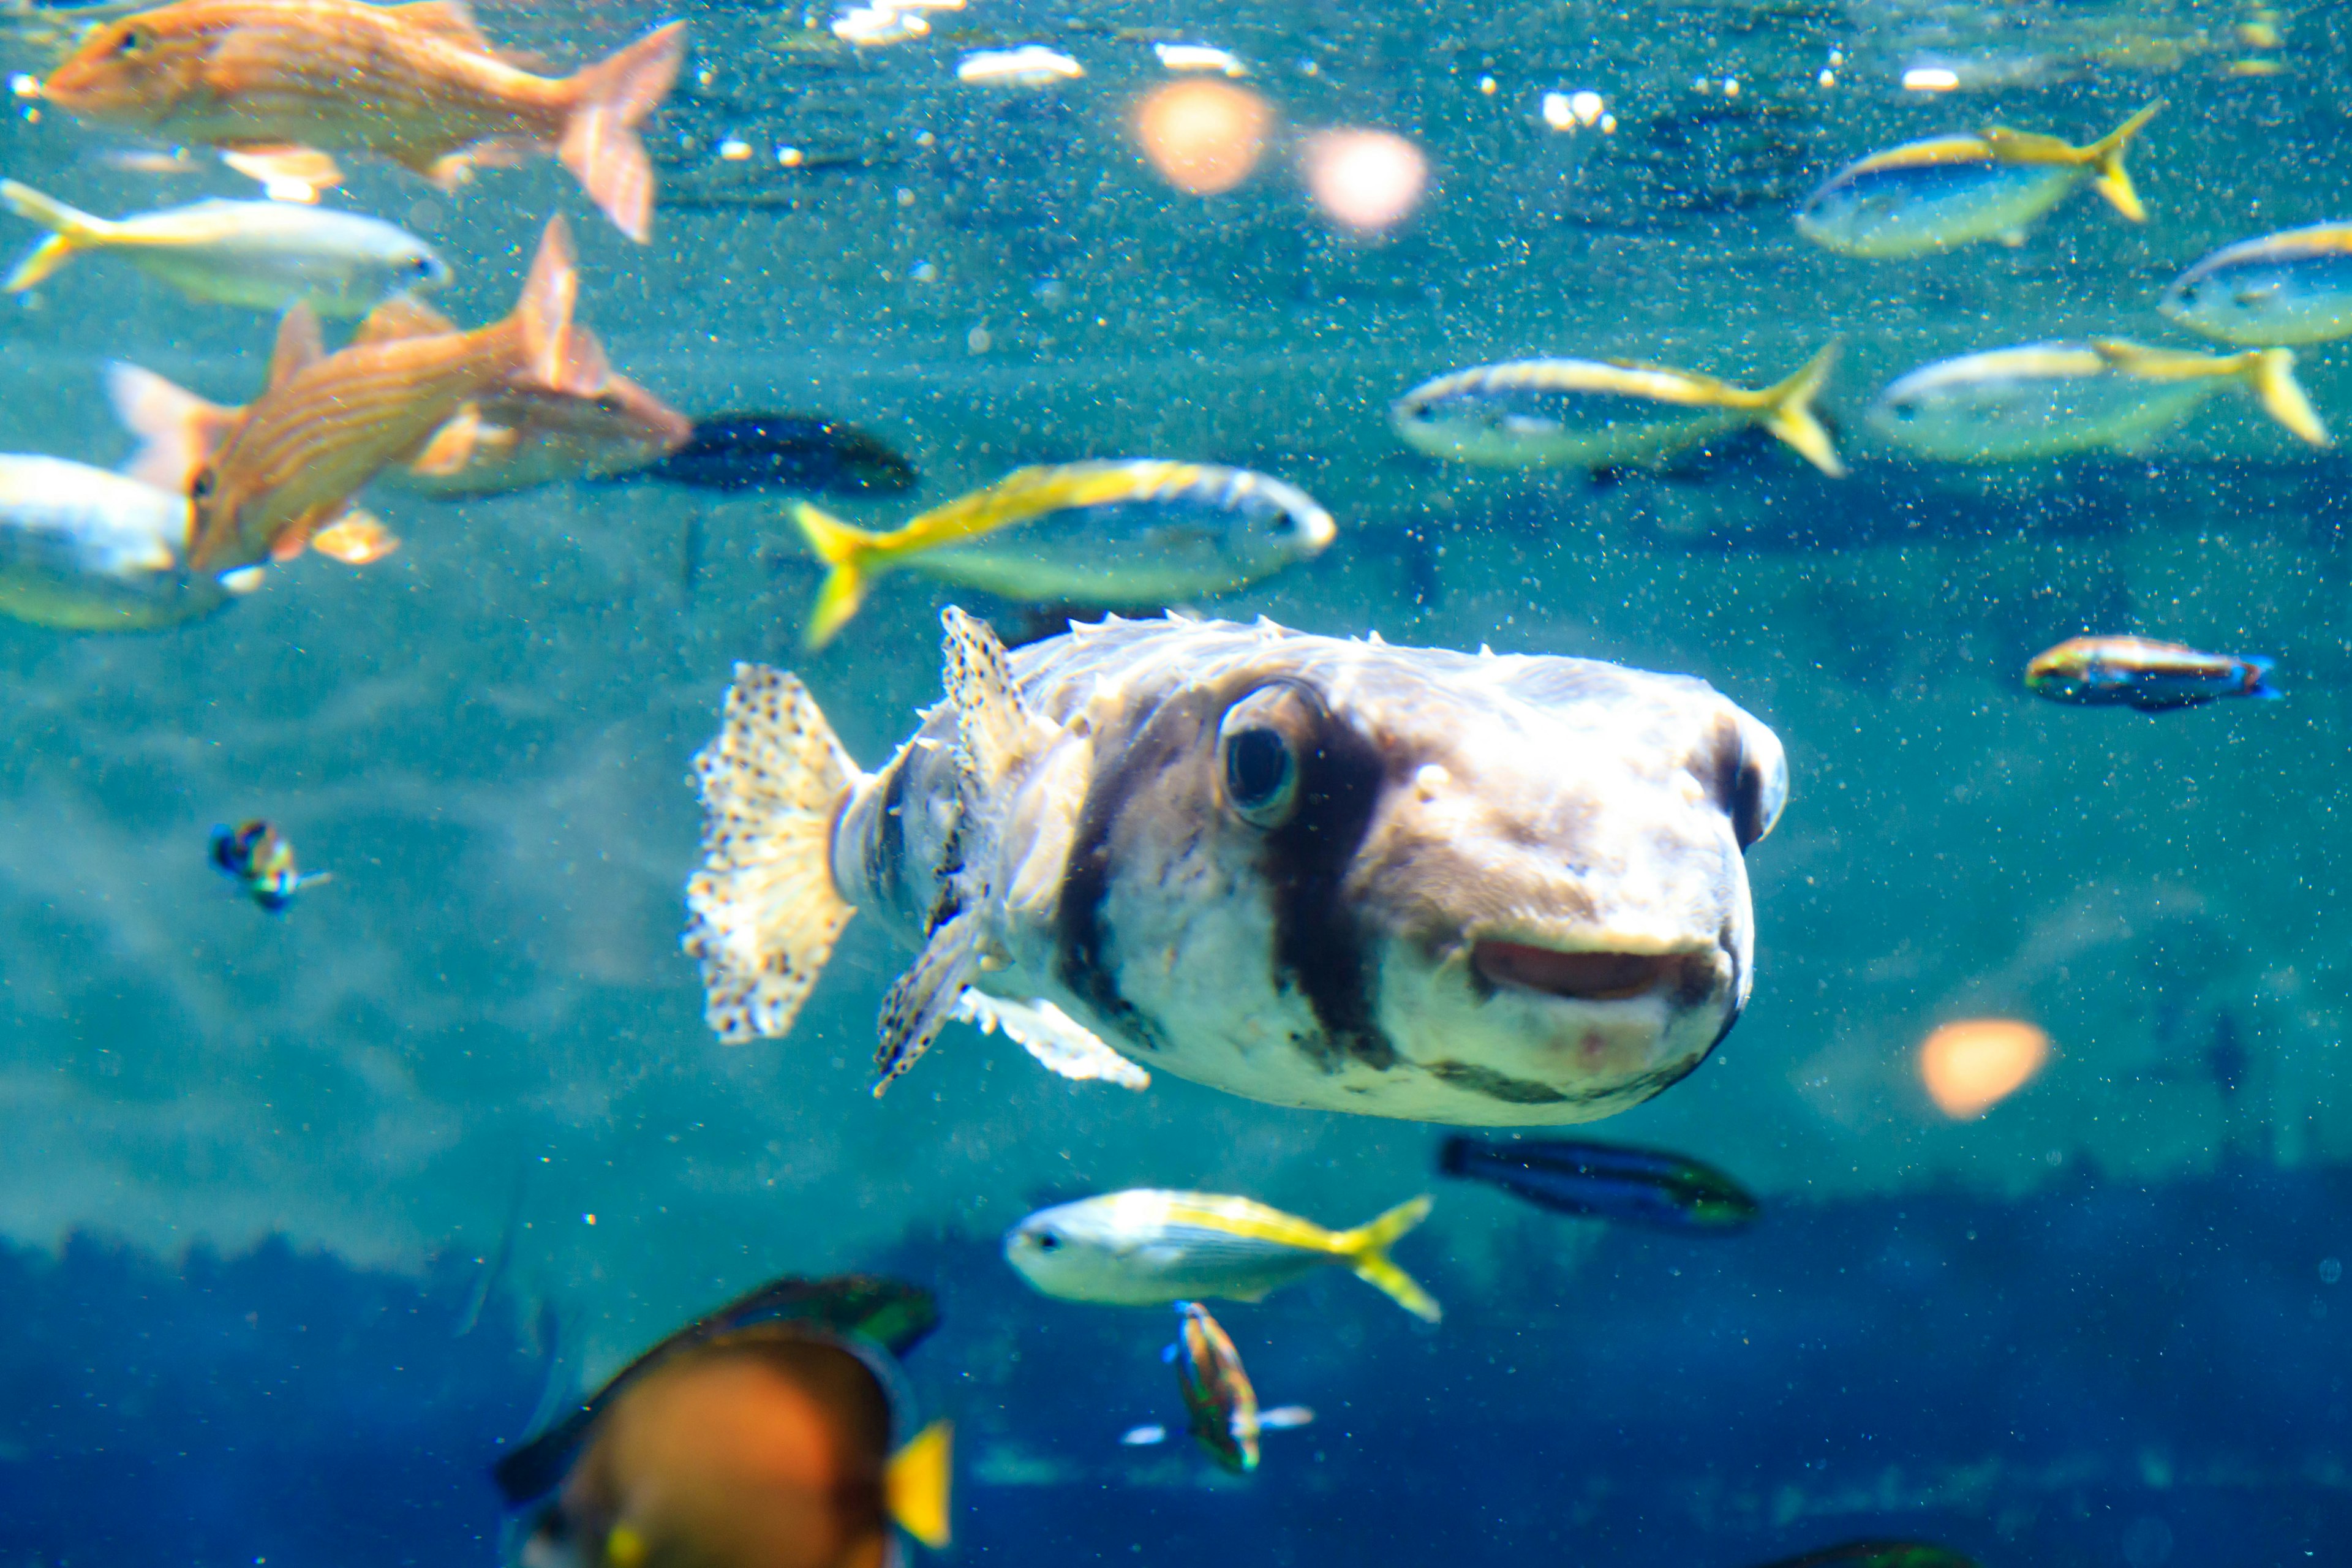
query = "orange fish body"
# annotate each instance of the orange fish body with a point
(765, 1451)
(417, 84)
(330, 423)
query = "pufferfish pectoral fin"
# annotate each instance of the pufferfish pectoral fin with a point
(996, 730)
(924, 998)
(1059, 1042)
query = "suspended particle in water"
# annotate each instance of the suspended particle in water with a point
(1971, 1064)
(1202, 137)
(1365, 180)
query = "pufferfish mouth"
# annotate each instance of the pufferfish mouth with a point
(1589, 977)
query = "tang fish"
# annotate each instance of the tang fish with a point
(754, 1438)
(2290, 288)
(1879, 1554)
(1333, 873)
(1101, 534)
(803, 452)
(1592, 413)
(85, 550)
(1605, 1181)
(257, 855)
(1147, 1247)
(1950, 191)
(330, 423)
(2047, 400)
(417, 84)
(1218, 1397)
(509, 439)
(2138, 672)
(267, 255)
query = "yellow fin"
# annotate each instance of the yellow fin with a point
(299, 346)
(448, 20)
(2272, 376)
(71, 231)
(1366, 1248)
(847, 552)
(914, 1487)
(450, 447)
(2107, 155)
(402, 316)
(1791, 412)
(763, 913)
(286, 173)
(356, 539)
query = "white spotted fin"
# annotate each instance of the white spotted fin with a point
(763, 910)
(996, 731)
(1058, 1041)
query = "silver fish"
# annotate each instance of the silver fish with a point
(85, 550)
(2290, 288)
(1334, 874)
(263, 255)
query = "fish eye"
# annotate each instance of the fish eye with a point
(1047, 1240)
(201, 486)
(1906, 412)
(1261, 743)
(131, 42)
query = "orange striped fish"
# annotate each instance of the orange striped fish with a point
(417, 84)
(330, 423)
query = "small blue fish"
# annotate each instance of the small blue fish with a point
(2139, 672)
(257, 855)
(1606, 1181)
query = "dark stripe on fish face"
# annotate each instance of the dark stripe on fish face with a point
(1496, 1086)
(886, 851)
(1319, 946)
(1164, 740)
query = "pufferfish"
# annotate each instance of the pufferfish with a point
(1316, 873)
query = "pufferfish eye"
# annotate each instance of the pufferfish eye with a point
(1260, 744)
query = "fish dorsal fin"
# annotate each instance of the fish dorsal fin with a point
(924, 998)
(451, 21)
(996, 730)
(1059, 1042)
(402, 317)
(299, 346)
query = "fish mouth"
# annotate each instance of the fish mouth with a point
(1594, 976)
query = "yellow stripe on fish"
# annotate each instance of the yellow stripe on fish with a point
(2290, 288)
(1950, 191)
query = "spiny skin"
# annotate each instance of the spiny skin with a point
(1448, 808)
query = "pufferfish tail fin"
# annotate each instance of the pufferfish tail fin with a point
(763, 911)
(1366, 1247)
(1789, 412)
(2107, 155)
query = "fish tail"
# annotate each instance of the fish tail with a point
(1366, 1248)
(763, 912)
(178, 431)
(848, 553)
(2257, 678)
(2271, 373)
(557, 354)
(600, 143)
(1789, 412)
(73, 231)
(2107, 155)
(914, 1487)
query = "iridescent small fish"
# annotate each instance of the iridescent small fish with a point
(417, 84)
(752, 1438)
(807, 453)
(1146, 1246)
(2047, 400)
(327, 424)
(1218, 1395)
(257, 855)
(2138, 672)
(1593, 414)
(1950, 191)
(2290, 288)
(1106, 534)
(85, 550)
(1879, 1554)
(265, 254)
(1605, 1181)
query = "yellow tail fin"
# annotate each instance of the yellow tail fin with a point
(1791, 412)
(916, 1485)
(851, 553)
(2271, 373)
(2106, 154)
(73, 231)
(1366, 1248)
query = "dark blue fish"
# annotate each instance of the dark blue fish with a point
(1879, 1554)
(1605, 1181)
(806, 454)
